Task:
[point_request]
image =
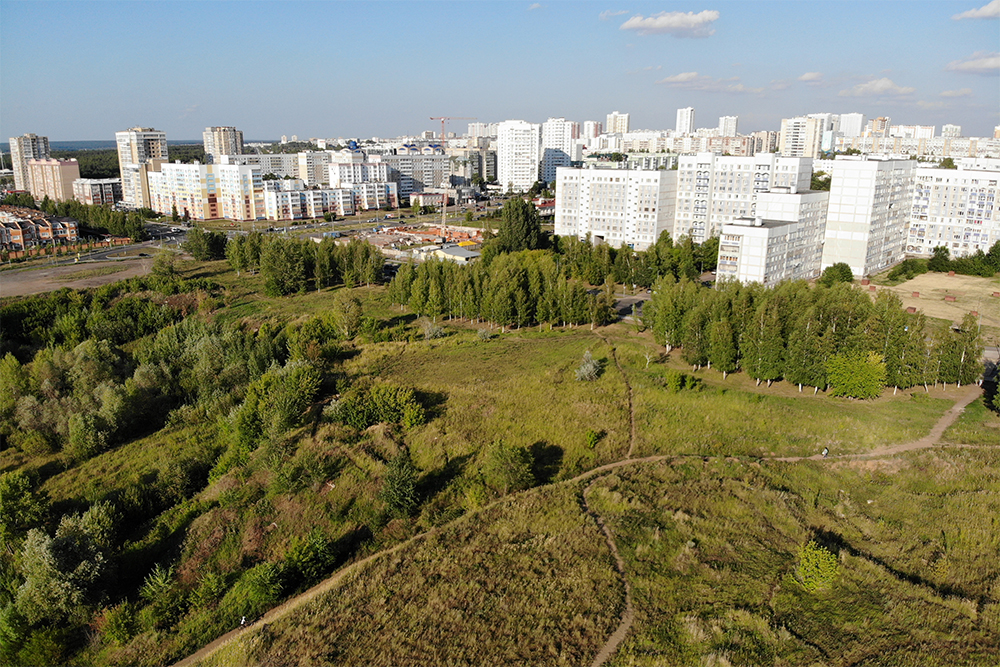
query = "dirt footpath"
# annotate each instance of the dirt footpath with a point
(21, 282)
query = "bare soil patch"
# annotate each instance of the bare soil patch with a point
(971, 294)
(37, 281)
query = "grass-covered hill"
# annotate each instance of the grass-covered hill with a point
(181, 452)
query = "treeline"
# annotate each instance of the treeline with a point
(92, 219)
(292, 266)
(977, 264)
(103, 163)
(823, 337)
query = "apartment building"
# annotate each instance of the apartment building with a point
(617, 123)
(307, 204)
(22, 149)
(685, 120)
(615, 206)
(276, 164)
(852, 124)
(801, 136)
(22, 228)
(342, 174)
(728, 125)
(591, 130)
(955, 147)
(951, 131)
(53, 178)
(713, 190)
(221, 141)
(518, 146)
(955, 208)
(97, 191)
(208, 191)
(312, 166)
(783, 242)
(417, 168)
(558, 137)
(141, 150)
(869, 212)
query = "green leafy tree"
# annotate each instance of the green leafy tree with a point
(204, 245)
(722, 347)
(836, 273)
(520, 227)
(856, 374)
(507, 468)
(20, 507)
(399, 486)
(347, 313)
(940, 260)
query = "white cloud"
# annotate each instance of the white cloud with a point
(990, 10)
(534, 7)
(935, 104)
(607, 14)
(705, 83)
(980, 62)
(877, 88)
(961, 92)
(678, 24)
(811, 76)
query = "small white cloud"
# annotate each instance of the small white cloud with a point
(608, 14)
(935, 104)
(961, 92)
(653, 68)
(678, 24)
(877, 88)
(534, 7)
(779, 84)
(705, 83)
(811, 76)
(980, 62)
(990, 10)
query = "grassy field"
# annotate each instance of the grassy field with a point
(523, 582)
(92, 273)
(971, 293)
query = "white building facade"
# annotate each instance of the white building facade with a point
(615, 206)
(208, 191)
(713, 190)
(518, 148)
(955, 208)
(558, 137)
(24, 148)
(685, 120)
(869, 213)
(617, 123)
(140, 152)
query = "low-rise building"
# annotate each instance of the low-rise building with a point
(21, 228)
(97, 191)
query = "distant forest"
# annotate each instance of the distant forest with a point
(104, 163)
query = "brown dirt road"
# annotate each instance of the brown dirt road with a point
(22, 282)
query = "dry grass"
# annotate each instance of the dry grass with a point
(971, 292)
(528, 581)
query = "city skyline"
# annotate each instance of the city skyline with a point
(382, 69)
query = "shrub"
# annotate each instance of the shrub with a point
(119, 623)
(432, 331)
(507, 468)
(484, 334)
(399, 486)
(590, 369)
(817, 566)
(856, 374)
(836, 273)
(258, 590)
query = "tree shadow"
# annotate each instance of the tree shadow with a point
(434, 402)
(435, 481)
(546, 461)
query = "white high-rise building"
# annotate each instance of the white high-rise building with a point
(615, 206)
(312, 166)
(685, 120)
(617, 123)
(558, 137)
(912, 131)
(783, 242)
(592, 129)
(870, 203)
(518, 147)
(22, 149)
(140, 151)
(801, 137)
(955, 208)
(221, 141)
(852, 124)
(727, 125)
(713, 190)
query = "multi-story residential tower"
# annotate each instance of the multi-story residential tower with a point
(591, 130)
(878, 127)
(53, 178)
(685, 120)
(615, 206)
(221, 141)
(912, 131)
(951, 131)
(617, 123)
(958, 209)
(418, 168)
(140, 150)
(713, 190)
(783, 242)
(801, 137)
(852, 124)
(518, 147)
(727, 125)
(870, 204)
(208, 191)
(22, 149)
(558, 135)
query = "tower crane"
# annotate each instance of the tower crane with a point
(444, 197)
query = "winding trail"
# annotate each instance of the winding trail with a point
(628, 386)
(968, 395)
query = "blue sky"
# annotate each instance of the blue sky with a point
(83, 70)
